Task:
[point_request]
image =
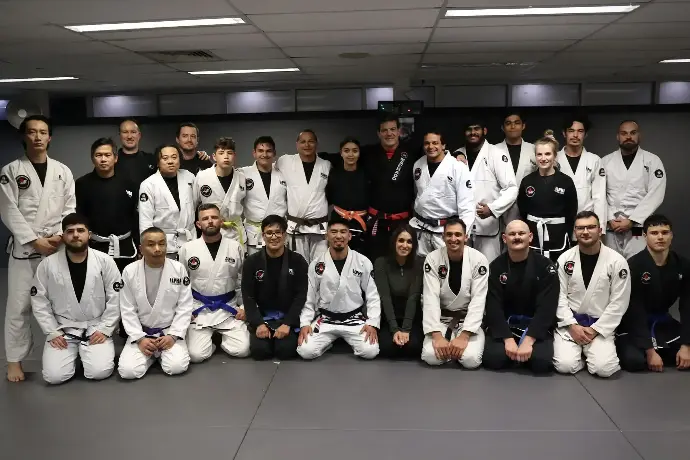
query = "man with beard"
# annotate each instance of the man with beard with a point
(166, 200)
(132, 163)
(188, 140)
(266, 192)
(635, 188)
(594, 295)
(306, 176)
(444, 190)
(650, 337)
(342, 300)
(109, 200)
(274, 290)
(214, 263)
(521, 304)
(584, 168)
(453, 300)
(389, 166)
(36, 193)
(76, 301)
(495, 187)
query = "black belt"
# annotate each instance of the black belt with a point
(456, 317)
(307, 222)
(340, 316)
(434, 222)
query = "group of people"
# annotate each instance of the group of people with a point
(490, 254)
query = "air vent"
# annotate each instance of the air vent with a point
(170, 57)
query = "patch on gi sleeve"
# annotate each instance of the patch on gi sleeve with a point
(34, 291)
(569, 267)
(552, 269)
(482, 270)
(442, 272)
(250, 184)
(143, 197)
(320, 268)
(504, 158)
(417, 173)
(427, 268)
(658, 173)
(602, 172)
(186, 281)
(4, 180)
(623, 274)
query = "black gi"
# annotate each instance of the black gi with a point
(654, 291)
(277, 286)
(549, 197)
(136, 167)
(528, 292)
(349, 191)
(195, 164)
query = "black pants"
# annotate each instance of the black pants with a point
(495, 357)
(412, 349)
(380, 243)
(282, 349)
(634, 359)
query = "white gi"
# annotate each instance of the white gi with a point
(633, 193)
(604, 300)
(171, 312)
(494, 184)
(305, 200)
(332, 292)
(527, 164)
(58, 313)
(469, 302)
(212, 278)
(208, 189)
(590, 182)
(30, 211)
(257, 205)
(445, 194)
(158, 208)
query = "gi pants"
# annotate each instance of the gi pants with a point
(234, 341)
(471, 358)
(134, 364)
(634, 358)
(282, 349)
(59, 365)
(379, 235)
(324, 334)
(625, 244)
(540, 362)
(490, 246)
(428, 242)
(309, 245)
(20, 279)
(600, 355)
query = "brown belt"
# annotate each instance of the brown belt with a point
(352, 215)
(307, 222)
(456, 315)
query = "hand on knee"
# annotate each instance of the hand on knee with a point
(367, 351)
(429, 357)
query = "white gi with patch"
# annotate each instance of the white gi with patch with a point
(30, 211)
(341, 294)
(494, 184)
(469, 303)
(605, 299)
(171, 312)
(58, 312)
(590, 182)
(213, 278)
(305, 200)
(634, 194)
(157, 208)
(257, 205)
(527, 164)
(446, 194)
(208, 189)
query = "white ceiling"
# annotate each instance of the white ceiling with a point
(399, 35)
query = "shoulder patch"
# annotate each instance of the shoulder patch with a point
(658, 173)
(324, 176)
(427, 268)
(23, 182)
(602, 172)
(503, 278)
(193, 263)
(442, 272)
(4, 180)
(205, 191)
(417, 173)
(569, 267)
(551, 269)
(504, 158)
(33, 291)
(468, 184)
(259, 275)
(143, 197)
(319, 268)
(250, 184)
(482, 270)
(450, 179)
(623, 274)
(186, 281)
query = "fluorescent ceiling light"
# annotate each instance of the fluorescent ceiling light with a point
(674, 61)
(554, 10)
(19, 80)
(156, 24)
(221, 72)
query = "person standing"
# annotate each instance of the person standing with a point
(191, 159)
(132, 163)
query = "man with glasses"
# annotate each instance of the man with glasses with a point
(274, 290)
(594, 295)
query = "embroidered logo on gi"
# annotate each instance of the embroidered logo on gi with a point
(569, 267)
(143, 197)
(118, 285)
(356, 272)
(482, 270)
(176, 281)
(503, 278)
(23, 182)
(559, 190)
(417, 173)
(206, 191)
(403, 155)
(623, 274)
(589, 170)
(602, 172)
(450, 179)
(320, 268)
(529, 191)
(34, 291)
(242, 187)
(283, 183)
(291, 271)
(442, 272)
(324, 176)
(259, 275)
(230, 260)
(646, 277)
(129, 193)
(504, 158)
(659, 173)
(646, 168)
(4, 180)
(186, 281)
(468, 184)
(193, 263)
(427, 268)
(250, 184)
(551, 269)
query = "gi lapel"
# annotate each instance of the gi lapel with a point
(163, 288)
(591, 289)
(217, 262)
(165, 191)
(564, 164)
(44, 191)
(186, 201)
(89, 283)
(71, 296)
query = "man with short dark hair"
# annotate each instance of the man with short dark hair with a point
(133, 163)
(650, 336)
(594, 295)
(36, 193)
(274, 290)
(76, 301)
(191, 159)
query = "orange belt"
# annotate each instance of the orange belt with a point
(352, 215)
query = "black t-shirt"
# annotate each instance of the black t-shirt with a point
(514, 152)
(213, 248)
(266, 179)
(574, 161)
(588, 263)
(78, 273)
(432, 167)
(226, 181)
(308, 169)
(628, 159)
(339, 264)
(136, 167)
(517, 271)
(195, 164)
(171, 182)
(41, 170)
(455, 276)
(273, 267)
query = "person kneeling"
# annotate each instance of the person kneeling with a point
(453, 299)
(274, 290)
(521, 304)
(76, 302)
(156, 307)
(342, 300)
(214, 262)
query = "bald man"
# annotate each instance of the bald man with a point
(521, 304)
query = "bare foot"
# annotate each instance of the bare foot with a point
(15, 372)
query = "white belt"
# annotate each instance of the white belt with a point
(113, 243)
(543, 229)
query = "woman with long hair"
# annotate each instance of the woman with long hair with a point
(398, 278)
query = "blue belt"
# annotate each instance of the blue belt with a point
(585, 320)
(654, 320)
(151, 331)
(519, 319)
(214, 302)
(276, 315)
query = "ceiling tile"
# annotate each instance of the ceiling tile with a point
(84, 69)
(659, 12)
(309, 6)
(174, 32)
(651, 30)
(526, 3)
(235, 65)
(575, 58)
(51, 50)
(362, 37)
(371, 62)
(488, 47)
(512, 33)
(354, 20)
(199, 42)
(529, 20)
(15, 33)
(96, 61)
(230, 54)
(637, 44)
(482, 58)
(374, 50)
